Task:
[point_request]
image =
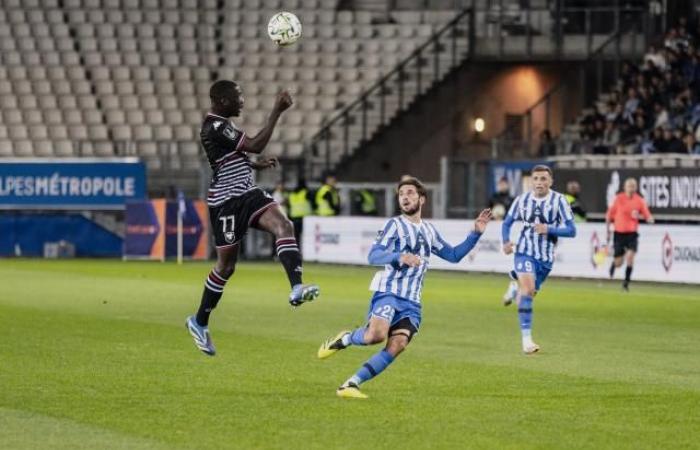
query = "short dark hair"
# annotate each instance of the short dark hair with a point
(221, 88)
(542, 168)
(415, 182)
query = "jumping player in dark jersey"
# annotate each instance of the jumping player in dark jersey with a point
(235, 203)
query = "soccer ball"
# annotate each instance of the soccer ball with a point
(284, 28)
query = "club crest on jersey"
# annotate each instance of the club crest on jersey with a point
(217, 124)
(229, 236)
(230, 133)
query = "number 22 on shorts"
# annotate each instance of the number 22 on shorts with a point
(385, 312)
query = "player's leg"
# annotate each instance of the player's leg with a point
(298, 230)
(629, 260)
(511, 293)
(381, 313)
(400, 335)
(526, 282)
(275, 222)
(198, 325)
(375, 332)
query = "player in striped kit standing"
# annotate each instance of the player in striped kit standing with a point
(546, 216)
(403, 247)
(236, 204)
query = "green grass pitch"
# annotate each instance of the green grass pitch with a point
(94, 354)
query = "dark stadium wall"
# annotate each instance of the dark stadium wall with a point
(440, 123)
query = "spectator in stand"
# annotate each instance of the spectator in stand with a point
(614, 112)
(671, 143)
(657, 139)
(631, 103)
(691, 146)
(685, 28)
(547, 145)
(501, 199)
(675, 40)
(677, 144)
(660, 115)
(656, 57)
(609, 141)
(573, 189)
(635, 133)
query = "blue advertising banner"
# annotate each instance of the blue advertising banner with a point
(71, 183)
(24, 234)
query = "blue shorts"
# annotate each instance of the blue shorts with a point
(393, 309)
(528, 264)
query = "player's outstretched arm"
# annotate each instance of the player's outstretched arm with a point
(508, 221)
(505, 234)
(457, 253)
(257, 143)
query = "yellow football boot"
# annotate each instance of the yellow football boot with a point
(332, 345)
(350, 390)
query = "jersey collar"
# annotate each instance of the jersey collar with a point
(215, 115)
(403, 218)
(545, 198)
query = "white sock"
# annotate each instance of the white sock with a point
(353, 379)
(345, 339)
(527, 335)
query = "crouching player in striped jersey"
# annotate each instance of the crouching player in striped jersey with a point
(546, 216)
(403, 247)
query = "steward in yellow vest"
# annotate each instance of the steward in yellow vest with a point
(327, 198)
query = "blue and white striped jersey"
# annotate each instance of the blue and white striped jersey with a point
(552, 210)
(398, 236)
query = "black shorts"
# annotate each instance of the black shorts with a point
(404, 324)
(230, 221)
(624, 241)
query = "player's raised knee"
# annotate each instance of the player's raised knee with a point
(528, 291)
(375, 336)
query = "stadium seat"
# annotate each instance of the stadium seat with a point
(17, 131)
(121, 133)
(184, 133)
(135, 118)
(23, 148)
(63, 148)
(38, 132)
(58, 132)
(143, 133)
(6, 148)
(43, 147)
(78, 132)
